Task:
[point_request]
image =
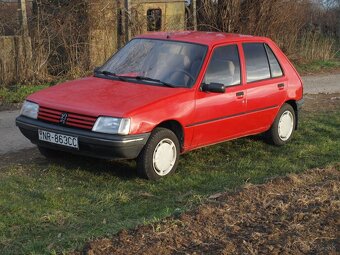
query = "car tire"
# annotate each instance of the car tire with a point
(283, 126)
(49, 153)
(159, 157)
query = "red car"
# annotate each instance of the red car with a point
(164, 94)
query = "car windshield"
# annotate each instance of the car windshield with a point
(171, 63)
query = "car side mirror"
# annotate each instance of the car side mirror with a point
(213, 87)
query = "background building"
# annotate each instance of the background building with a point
(121, 20)
(72, 37)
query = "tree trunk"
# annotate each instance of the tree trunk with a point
(23, 17)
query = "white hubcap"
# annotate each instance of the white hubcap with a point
(164, 157)
(286, 125)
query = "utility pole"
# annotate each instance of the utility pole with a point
(23, 17)
(24, 61)
(194, 14)
(127, 6)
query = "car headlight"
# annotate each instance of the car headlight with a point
(30, 109)
(111, 125)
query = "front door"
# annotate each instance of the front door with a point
(219, 116)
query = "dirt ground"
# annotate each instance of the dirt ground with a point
(297, 214)
(6, 107)
(321, 102)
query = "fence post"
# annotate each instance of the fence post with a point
(127, 6)
(194, 14)
(23, 17)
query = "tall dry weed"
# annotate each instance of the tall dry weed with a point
(314, 46)
(288, 23)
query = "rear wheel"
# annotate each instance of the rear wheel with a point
(159, 156)
(283, 127)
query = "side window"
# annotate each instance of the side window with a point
(275, 68)
(224, 66)
(154, 17)
(256, 62)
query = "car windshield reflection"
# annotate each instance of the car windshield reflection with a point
(170, 62)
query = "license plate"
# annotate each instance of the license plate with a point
(51, 137)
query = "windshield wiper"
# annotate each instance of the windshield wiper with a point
(154, 80)
(124, 78)
(108, 73)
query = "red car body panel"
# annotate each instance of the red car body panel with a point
(206, 118)
(101, 97)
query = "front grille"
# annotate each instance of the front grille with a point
(73, 119)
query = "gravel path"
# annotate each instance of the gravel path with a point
(12, 140)
(326, 83)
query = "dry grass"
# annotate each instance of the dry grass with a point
(292, 24)
(313, 46)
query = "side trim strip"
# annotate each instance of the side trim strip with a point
(231, 116)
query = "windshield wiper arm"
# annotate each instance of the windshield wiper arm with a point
(154, 80)
(108, 73)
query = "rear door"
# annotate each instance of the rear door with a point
(219, 116)
(266, 86)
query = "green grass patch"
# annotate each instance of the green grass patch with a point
(318, 66)
(48, 207)
(17, 94)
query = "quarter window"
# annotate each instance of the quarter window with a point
(154, 17)
(224, 66)
(256, 62)
(275, 68)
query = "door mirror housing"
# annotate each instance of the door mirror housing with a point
(213, 87)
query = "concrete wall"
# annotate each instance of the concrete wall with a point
(15, 59)
(104, 36)
(173, 14)
(103, 41)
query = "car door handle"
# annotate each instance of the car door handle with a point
(240, 94)
(281, 85)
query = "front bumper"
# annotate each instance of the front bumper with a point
(91, 144)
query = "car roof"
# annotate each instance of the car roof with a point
(207, 38)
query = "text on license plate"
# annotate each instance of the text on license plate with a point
(51, 137)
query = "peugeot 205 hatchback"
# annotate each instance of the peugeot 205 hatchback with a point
(164, 94)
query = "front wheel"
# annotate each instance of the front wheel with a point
(283, 127)
(159, 156)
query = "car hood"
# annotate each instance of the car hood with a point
(102, 97)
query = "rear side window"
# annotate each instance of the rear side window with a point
(224, 66)
(256, 62)
(275, 68)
